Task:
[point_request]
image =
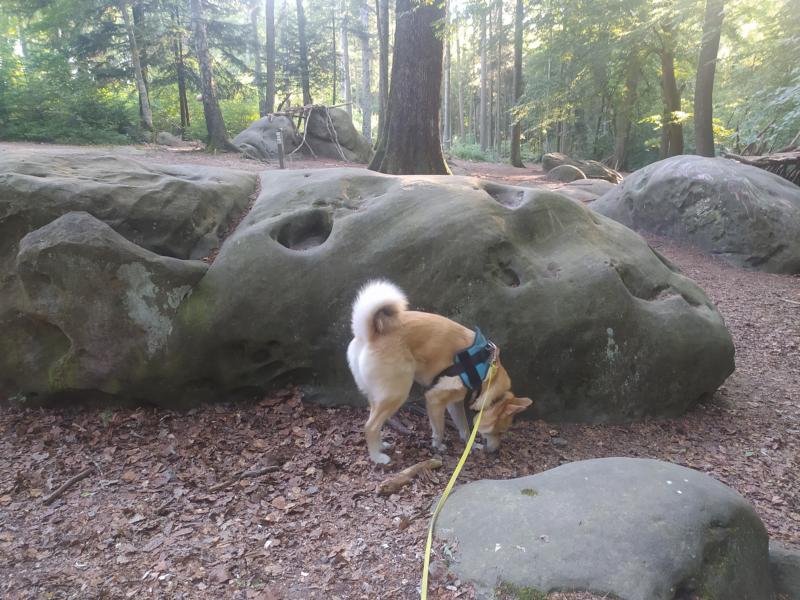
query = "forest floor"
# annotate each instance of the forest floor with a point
(160, 513)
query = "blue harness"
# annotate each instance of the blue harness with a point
(471, 365)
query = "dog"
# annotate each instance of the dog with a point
(393, 347)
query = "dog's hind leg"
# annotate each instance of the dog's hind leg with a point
(379, 412)
(436, 401)
(459, 416)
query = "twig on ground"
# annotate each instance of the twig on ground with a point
(406, 476)
(795, 302)
(66, 485)
(244, 475)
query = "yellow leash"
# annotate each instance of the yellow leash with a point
(461, 461)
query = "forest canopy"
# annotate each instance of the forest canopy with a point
(606, 79)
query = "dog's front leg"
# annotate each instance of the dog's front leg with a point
(435, 403)
(459, 416)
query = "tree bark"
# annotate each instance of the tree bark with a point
(144, 100)
(483, 126)
(183, 104)
(335, 65)
(460, 75)
(269, 18)
(499, 75)
(217, 135)
(348, 93)
(383, 61)
(257, 66)
(516, 129)
(625, 111)
(704, 84)
(366, 74)
(301, 35)
(412, 143)
(446, 85)
(672, 128)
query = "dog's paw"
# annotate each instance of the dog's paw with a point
(387, 446)
(380, 458)
(439, 446)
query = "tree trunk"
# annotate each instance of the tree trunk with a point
(269, 17)
(183, 104)
(704, 85)
(144, 101)
(258, 74)
(383, 61)
(499, 75)
(301, 35)
(335, 66)
(446, 85)
(348, 93)
(217, 135)
(483, 126)
(412, 142)
(625, 111)
(366, 75)
(460, 74)
(516, 129)
(672, 128)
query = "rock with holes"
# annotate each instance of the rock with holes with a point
(98, 311)
(260, 139)
(590, 168)
(565, 174)
(634, 529)
(745, 215)
(593, 324)
(331, 134)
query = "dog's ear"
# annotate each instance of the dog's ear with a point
(516, 405)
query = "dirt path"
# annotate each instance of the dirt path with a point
(149, 522)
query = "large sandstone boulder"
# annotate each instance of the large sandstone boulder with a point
(635, 529)
(260, 139)
(746, 215)
(331, 134)
(586, 190)
(593, 324)
(179, 211)
(591, 168)
(565, 174)
(97, 312)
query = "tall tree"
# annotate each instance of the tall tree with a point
(516, 128)
(348, 91)
(366, 73)
(217, 135)
(671, 127)
(446, 86)
(383, 60)
(258, 74)
(144, 100)
(269, 18)
(625, 109)
(483, 127)
(411, 141)
(180, 68)
(301, 36)
(704, 84)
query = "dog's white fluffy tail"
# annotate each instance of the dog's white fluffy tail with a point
(376, 306)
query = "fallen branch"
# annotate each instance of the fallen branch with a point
(66, 485)
(795, 302)
(244, 475)
(406, 476)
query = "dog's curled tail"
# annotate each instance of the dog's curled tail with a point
(376, 306)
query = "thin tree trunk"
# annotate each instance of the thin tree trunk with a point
(335, 66)
(301, 35)
(446, 91)
(183, 104)
(672, 128)
(217, 135)
(483, 127)
(625, 111)
(516, 129)
(412, 143)
(704, 85)
(269, 18)
(348, 93)
(499, 75)
(383, 60)
(144, 100)
(460, 74)
(257, 72)
(366, 74)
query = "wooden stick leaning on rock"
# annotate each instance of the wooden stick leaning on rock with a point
(59, 491)
(406, 476)
(243, 475)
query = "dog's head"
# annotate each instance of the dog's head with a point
(501, 406)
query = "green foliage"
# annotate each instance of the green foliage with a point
(467, 151)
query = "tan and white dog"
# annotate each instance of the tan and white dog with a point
(393, 347)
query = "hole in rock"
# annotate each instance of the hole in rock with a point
(305, 230)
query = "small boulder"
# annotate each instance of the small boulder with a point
(586, 190)
(636, 529)
(745, 215)
(331, 134)
(259, 140)
(565, 174)
(591, 168)
(785, 566)
(165, 138)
